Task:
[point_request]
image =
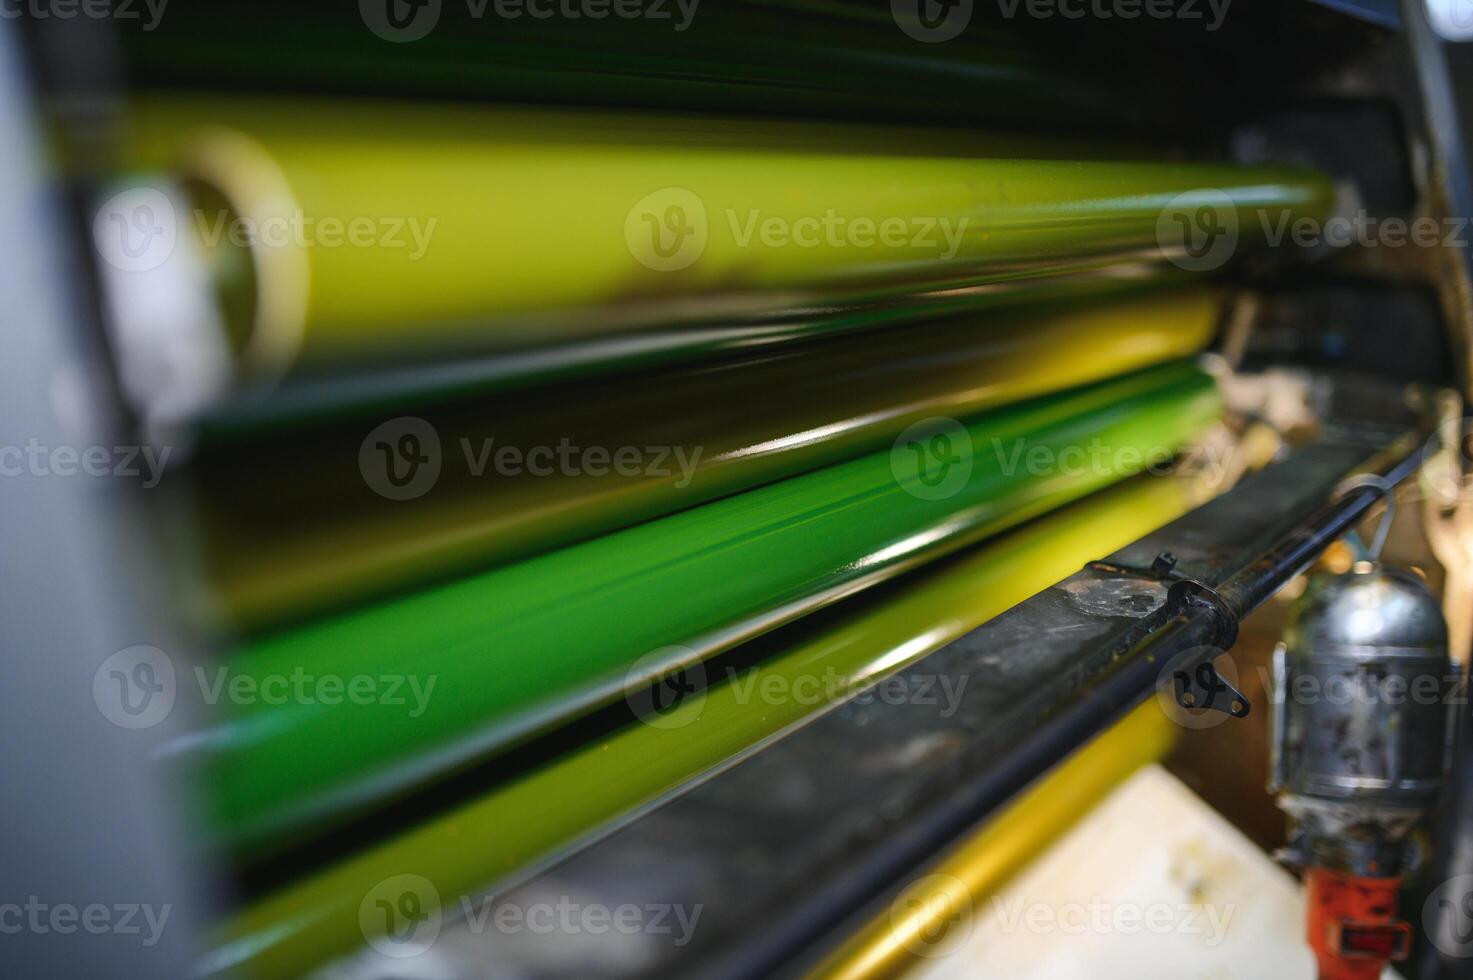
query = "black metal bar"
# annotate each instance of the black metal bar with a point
(782, 849)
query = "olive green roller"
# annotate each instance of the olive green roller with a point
(583, 461)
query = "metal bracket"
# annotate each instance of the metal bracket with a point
(1197, 685)
(1203, 687)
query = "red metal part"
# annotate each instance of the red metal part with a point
(1352, 924)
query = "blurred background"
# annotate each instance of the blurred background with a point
(519, 488)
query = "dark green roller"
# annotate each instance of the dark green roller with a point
(696, 434)
(824, 59)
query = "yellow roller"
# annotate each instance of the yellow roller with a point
(378, 226)
(918, 923)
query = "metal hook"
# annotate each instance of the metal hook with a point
(1388, 491)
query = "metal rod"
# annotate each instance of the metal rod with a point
(784, 849)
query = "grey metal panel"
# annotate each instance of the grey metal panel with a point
(86, 821)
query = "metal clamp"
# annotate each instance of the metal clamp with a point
(1205, 688)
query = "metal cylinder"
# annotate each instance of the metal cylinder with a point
(531, 646)
(1362, 683)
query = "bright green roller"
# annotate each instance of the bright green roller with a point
(461, 852)
(516, 651)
